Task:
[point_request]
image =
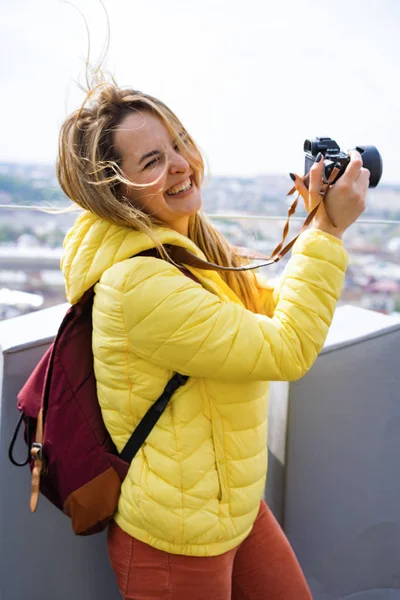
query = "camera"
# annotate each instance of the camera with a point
(334, 157)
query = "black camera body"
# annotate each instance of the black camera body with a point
(334, 157)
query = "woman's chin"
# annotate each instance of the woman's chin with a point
(185, 206)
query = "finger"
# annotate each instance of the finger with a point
(363, 181)
(316, 173)
(364, 174)
(354, 167)
(300, 187)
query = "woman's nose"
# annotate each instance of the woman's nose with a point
(178, 164)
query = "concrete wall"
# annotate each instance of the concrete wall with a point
(342, 495)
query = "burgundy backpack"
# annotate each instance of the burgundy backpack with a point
(73, 460)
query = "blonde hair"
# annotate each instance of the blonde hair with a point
(89, 172)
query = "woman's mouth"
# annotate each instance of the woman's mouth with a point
(181, 189)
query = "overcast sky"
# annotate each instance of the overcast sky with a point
(250, 79)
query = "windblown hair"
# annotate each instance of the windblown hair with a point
(89, 172)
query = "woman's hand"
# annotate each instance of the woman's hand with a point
(345, 200)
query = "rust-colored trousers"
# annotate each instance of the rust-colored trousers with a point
(263, 567)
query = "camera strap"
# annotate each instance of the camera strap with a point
(181, 255)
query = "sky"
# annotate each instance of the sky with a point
(250, 79)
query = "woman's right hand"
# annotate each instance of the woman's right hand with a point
(344, 202)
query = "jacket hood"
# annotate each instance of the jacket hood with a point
(93, 245)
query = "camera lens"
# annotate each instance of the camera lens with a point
(372, 160)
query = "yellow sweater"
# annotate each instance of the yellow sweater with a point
(195, 486)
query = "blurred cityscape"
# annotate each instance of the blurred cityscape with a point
(246, 210)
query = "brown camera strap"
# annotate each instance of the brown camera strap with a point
(183, 256)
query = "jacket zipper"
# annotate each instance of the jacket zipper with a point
(217, 435)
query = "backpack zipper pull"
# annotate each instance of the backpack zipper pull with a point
(37, 457)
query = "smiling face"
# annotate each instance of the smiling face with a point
(150, 155)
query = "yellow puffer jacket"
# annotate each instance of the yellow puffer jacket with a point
(195, 486)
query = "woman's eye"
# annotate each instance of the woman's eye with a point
(151, 163)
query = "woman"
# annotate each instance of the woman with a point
(191, 522)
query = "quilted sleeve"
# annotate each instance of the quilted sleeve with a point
(174, 323)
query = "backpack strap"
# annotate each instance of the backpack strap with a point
(150, 419)
(179, 256)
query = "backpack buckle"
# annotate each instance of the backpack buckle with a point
(37, 451)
